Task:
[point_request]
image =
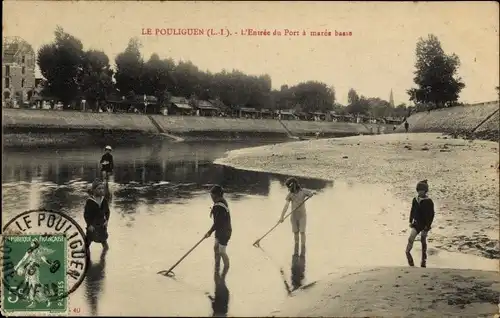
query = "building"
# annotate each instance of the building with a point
(391, 99)
(206, 108)
(180, 106)
(18, 71)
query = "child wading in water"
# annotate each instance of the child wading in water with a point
(222, 228)
(97, 215)
(297, 195)
(107, 163)
(421, 217)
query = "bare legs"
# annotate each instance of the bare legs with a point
(409, 246)
(423, 240)
(105, 246)
(220, 253)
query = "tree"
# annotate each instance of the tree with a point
(435, 75)
(157, 77)
(187, 79)
(379, 108)
(352, 97)
(400, 111)
(129, 69)
(361, 107)
(97, 77)
(339, 109)
(313, 96)
(61, 63)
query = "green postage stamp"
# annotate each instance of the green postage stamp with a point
(34, 278)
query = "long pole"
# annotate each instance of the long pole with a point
(167, 272)
(256, 243)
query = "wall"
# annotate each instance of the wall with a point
(24, 118)
(459, 119)
(192, 124)
(69, 120)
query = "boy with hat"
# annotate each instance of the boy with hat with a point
(221, 227)
(421, 217)
(296, 196)
(106, 162)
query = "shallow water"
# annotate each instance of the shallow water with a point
(160, 209)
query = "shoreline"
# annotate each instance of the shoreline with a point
(456, 169)
(389, 160)
(28, 138)
(398, 292)
(175, 128)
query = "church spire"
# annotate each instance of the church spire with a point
(391, 99)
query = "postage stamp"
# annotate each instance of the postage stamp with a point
(35, 268)
(44, 260)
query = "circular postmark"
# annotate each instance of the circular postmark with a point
(44, 258)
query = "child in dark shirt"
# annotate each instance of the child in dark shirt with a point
(106, 163)
(421, 217)
(96, 215)
(221, 227)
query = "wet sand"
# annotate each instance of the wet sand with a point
(463, 179)
(400, 292)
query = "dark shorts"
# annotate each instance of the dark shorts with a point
(99, 235)
(223, 239)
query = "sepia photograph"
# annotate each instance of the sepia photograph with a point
(250, 159)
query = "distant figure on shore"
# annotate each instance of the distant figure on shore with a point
(107, 163)
(96, 215)
(407, 126)
(297, 195)
(221, 227)
(421, 217)
(394, 128)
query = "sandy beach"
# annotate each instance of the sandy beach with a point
(399, 292)
(463, 177)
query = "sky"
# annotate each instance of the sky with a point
(377, 58)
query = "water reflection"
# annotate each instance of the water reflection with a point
(298, 270)
(93, 283)
(220, 300)
(157, 194)
(149, 182)
(161, 205)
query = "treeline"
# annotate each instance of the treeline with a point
(72, 74)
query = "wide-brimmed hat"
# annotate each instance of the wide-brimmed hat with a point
(108, 148)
